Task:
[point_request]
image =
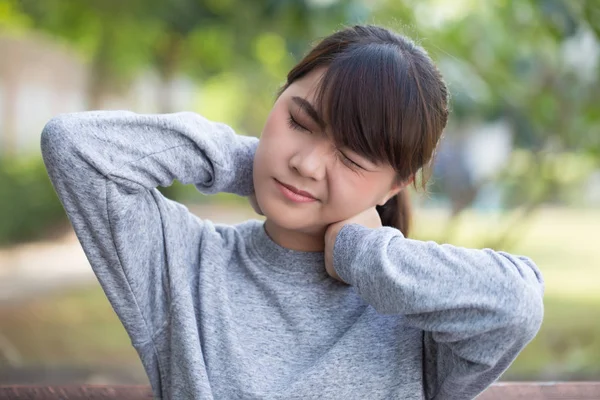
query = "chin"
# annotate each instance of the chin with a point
(285, 218)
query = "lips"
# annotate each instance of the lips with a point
(298, 191)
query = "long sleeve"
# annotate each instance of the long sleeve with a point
(478, 308)
(105, 167)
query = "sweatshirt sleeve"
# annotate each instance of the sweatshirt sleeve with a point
(478, 308)
(105, 167)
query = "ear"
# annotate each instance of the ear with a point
(396, 188)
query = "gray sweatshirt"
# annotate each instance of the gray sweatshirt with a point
(223, 312)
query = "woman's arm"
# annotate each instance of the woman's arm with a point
(478, 308)
(105, 167)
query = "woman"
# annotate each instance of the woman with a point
(320, 300)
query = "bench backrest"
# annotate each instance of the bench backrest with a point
(499, 391)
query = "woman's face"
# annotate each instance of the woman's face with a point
(294, 149)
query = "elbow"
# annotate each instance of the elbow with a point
(528, 315)
(532, 302)
(54, 140)
(525, 304)
(53, 133)
(57, 126)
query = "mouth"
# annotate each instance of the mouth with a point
(295, 194)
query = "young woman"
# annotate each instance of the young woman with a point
(328, 298)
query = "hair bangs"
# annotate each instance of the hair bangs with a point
(361, 99)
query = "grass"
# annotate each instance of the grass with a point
(77, 327)
(567, 346)
(80, 327)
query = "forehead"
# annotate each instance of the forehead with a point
(308, 85)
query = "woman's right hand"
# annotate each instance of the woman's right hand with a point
(254, 204)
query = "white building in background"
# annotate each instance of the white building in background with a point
(470, 155)
(40, 78)
(592, 189)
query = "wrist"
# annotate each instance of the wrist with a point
(243, 165)
(348, 243)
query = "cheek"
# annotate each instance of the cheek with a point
(271, 154)
(270, 138)
(350, 195)
(276, 123)
(276, 139)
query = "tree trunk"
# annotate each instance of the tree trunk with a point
(8, 131)
(168, 61)
(100, 73)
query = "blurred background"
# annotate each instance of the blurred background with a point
(518, 168)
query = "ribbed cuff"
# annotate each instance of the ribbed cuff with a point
(348, 244)
(243, 184)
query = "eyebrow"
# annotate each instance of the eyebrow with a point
(310, 110)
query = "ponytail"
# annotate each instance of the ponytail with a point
(397, 212)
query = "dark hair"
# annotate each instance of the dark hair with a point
(384, 99)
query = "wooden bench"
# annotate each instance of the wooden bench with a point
(499, 391)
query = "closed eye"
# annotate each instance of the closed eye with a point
(292, 123)
(348, 161)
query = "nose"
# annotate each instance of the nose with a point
(310, 162)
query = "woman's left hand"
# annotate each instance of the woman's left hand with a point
(369, 218)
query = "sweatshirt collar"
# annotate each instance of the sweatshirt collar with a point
(307, 264)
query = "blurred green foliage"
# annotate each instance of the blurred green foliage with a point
(531, 63)
(29, 207)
